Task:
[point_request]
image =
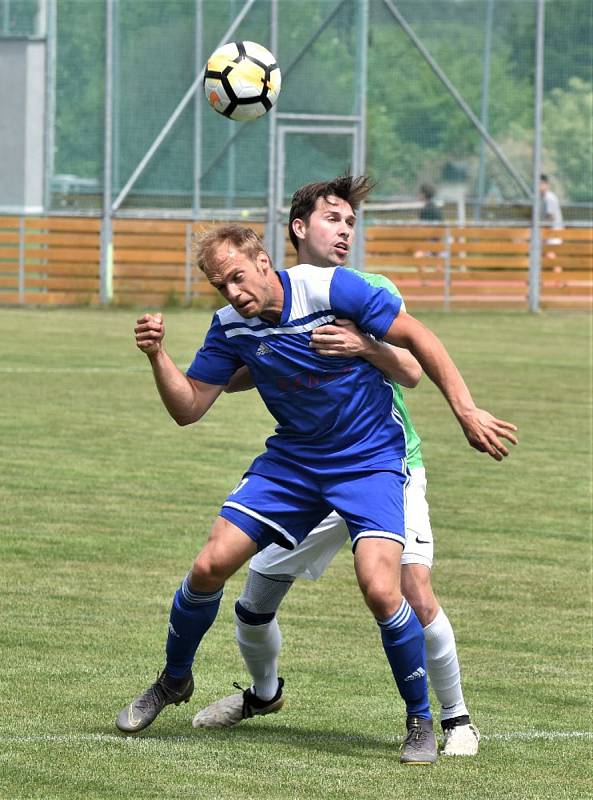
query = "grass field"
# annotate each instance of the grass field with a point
(104, 501)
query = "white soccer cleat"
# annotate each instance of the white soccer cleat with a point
(462, 740)
(234, 708)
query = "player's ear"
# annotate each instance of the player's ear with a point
(263, 261)
(299, 228)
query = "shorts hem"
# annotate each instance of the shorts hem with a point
(392, 537)
(412, 558)
(279, 534)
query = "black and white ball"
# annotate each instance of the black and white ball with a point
(242, 80)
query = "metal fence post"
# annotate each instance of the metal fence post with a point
(50, 101)
(535, 249)
(359, 144)
(106, 266)
(274, 204)
(198, 64)
(484, 106)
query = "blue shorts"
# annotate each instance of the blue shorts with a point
(284, 510)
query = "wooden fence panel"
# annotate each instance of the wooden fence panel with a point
(60, 260)
(567, 268)
(56, 260)
(152, 263)
(489, 267)
(47, 260)
(10, 281)
(414, 257)
(473, 267)
(148, 261)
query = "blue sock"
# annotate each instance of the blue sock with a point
(403, 642)
(192, 614)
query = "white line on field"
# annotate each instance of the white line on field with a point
(528, 736)
(84, 370)
(75, 738)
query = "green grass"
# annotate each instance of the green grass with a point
(104, 502)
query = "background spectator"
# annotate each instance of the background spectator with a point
(551, 211)
(429, 211)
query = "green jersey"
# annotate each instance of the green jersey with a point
(414, 454)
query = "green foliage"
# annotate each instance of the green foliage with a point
(568, 133)
(568, 26)
(80, 88)
(414, 126)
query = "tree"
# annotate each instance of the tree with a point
(568, 134)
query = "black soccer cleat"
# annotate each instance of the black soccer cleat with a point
(145, 709)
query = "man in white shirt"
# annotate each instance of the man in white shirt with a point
(551, 211)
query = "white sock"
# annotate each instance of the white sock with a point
(260, 647)
(443, 666)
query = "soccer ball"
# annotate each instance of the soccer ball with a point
(242, 80)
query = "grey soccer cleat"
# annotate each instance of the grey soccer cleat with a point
(234, 708)
(420, 745)
(145, 709)
(461, 737)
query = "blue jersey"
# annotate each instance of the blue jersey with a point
(332, 413)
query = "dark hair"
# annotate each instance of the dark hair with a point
(426, 190)
(543, 177)
(346, 187)
(205, 243)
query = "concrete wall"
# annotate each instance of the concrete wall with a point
(22, 124)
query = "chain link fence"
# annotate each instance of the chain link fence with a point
(415, 131)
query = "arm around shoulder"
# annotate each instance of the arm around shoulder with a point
(483, 431)
(397, 363)
(240, 382)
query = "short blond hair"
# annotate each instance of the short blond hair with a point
(206, 243)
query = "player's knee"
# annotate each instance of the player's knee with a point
(426, 609)
(420, 596)
(208, 572)
(248, 617)
(422, 599)
(382, 597)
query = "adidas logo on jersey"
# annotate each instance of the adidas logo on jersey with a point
(263, 350)
(418, 673)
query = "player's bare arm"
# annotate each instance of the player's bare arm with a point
(186, 399)
(346, 339)
(482, 430)
(240, 382)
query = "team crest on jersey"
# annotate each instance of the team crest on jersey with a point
(263, 350)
